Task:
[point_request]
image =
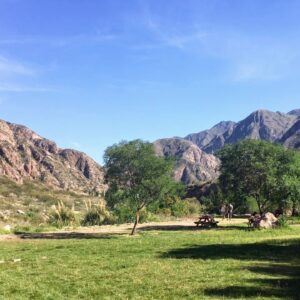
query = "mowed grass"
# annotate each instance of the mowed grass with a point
(224, 263)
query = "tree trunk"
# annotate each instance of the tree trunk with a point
(259, 204)
(137, 218)
(294, 209)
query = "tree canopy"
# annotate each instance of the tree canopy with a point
(137, 175)
(269, 173)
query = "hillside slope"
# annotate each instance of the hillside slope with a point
(192, 164)
(26, 155)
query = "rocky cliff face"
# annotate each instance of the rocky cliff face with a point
(291, 139)
(25, 154)
(204, 138)
(295, 112)
(192, 164)
(261, 124)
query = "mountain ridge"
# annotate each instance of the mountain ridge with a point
(261, 124)
(25, 154)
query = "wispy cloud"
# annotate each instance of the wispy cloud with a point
(13, 67)
(247, 58)
(9, 87)
(241, 56)
(17, 76)
(59, 41)
(163, 38)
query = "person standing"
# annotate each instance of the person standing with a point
(230, 211)
(223, 211)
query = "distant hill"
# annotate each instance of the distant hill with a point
(261, 124)
(265, 125)
(26, 155)
(192, 164)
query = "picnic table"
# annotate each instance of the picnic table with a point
(206, 221)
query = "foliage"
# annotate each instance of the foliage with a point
(179, 208)
(269, 173)
(193, 205)
(186, 207)
(213, 201)
(61, 215)
(137, 176)
(96, 214)
(282, 222)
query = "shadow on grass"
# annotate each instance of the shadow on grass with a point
(65, 235)
(283, 250)
(189, 228)
(280, 263)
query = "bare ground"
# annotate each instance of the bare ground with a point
(123, 229)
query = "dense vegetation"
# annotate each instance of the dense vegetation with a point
(254, 176)
(224, 263)
(258, 176)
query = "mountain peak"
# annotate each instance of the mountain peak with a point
(26, 155)
(295, 112)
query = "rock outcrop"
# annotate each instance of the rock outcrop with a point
(260, 125)
(204, 138)
(267, 221)
(192, 164)
(291, 139)
(26, 155)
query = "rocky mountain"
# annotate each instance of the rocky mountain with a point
(25, 154)
(295, 112)
(291, 139)
(192, 164)
(261, 124)
(204, 138)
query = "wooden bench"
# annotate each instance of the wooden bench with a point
(206, 221)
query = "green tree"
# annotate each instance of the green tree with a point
(136, 175)
(258, 169)
(290, 182)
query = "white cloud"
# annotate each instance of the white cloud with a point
(247, 58)
(12, 67)
(10, 87)
(59, 41)
(18, 77)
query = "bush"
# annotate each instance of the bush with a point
(96, 214)
(193, 205)
(60, 215)
(125, 214)
(282, 222)
(166, 212)
(179, 208)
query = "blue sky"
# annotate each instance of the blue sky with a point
(90, 73)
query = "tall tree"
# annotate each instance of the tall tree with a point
(258, 169)
(137, 175)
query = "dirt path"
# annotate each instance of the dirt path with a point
(110, 230)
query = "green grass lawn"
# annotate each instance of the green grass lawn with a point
(224, 263)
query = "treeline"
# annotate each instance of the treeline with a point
(257, 176)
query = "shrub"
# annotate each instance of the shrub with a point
(96, 214)
(166, 212)
(193, 205)
(282, 222)
(60, 215)
(179, 208)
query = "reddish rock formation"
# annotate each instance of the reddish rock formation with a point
(25, 154)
